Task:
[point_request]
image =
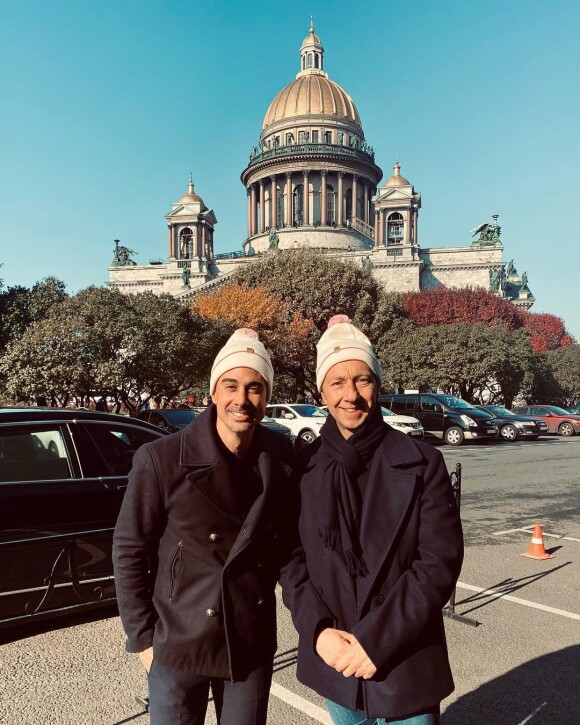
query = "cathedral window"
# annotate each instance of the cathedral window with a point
(330, 205)
(316, 61)
(299, 205)
(289, 139)
(327, 136)
(309, 61)
(395, 228)
(302, 136)
(315, 137)
(186, 243)
(347, 205)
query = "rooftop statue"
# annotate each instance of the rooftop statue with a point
(488, 234)
(122, 256)
(524, 280)
(510, 269)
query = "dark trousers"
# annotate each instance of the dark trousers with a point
(180, 698)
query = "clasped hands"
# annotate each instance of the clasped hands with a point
(344, 652)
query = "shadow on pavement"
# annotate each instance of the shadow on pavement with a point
(543, 691)
(507, 586)
(53, 624)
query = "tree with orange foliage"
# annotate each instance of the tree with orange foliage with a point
(548, 332)
(285, 334)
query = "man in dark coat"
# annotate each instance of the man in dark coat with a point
(383, 548)
(206, 523)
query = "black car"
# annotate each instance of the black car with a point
(62, 478)
(444, 416)
(170, 419)
(513, 426)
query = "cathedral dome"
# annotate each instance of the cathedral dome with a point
(312, 93)
(396, 179)
(191, 195)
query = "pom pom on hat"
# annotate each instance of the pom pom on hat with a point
(243, 350)
(343, 341)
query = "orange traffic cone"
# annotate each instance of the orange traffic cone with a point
(536, 550)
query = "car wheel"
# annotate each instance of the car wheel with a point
(306, 437)
(454, 436)
(509, 433)
(566, 429)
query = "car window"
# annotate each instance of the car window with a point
(409, 403)
(33, 454)
(538, 411)
(117, 445)
(428, 402)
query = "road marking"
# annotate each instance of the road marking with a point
(530, 530)
(299, 703)
(497, 595)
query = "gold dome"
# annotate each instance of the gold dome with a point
(397, 179)
(311, 93)
(191, 195)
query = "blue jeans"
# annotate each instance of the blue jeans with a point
(342, 716)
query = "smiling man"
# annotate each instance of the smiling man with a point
(383, 549)
(205, 526)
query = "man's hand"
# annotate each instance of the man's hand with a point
(146, 658)
(354, 660)
(331, 644)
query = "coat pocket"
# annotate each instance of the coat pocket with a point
(175, 571)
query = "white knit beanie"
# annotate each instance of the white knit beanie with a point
(343, 341)
(242, 350)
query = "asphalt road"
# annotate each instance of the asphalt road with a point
(520, 665)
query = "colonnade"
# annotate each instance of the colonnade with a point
(280, 200)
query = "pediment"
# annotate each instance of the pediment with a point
(396, 193)
(184, 210)
(209, 216)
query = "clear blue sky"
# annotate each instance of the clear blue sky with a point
(105, 108)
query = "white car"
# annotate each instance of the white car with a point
(405, 423)
(303, 419)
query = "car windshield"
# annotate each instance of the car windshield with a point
(386, 411)
(179, 417)
(498, 410)
(558, 411)
(267, 419)
(452, 402)
(308, 411)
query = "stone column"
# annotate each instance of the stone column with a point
(262, 207)
(323, 199)
(306, 198)
(249, 212)
(415, 215)
(273, 203)
(201, 252)
(354, 192)
(288, 212)
(407, 227)
(339, 201)
(366, 203)
(377, 228)
(253, 210)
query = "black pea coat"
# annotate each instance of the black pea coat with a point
(413, 546)
(193, 579)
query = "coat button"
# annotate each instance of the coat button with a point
(213, 537)
(260, 602)
(210, 613)
(380, 598)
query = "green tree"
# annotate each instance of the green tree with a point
(101, 342)
(564, 363)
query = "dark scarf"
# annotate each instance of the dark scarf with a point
(342, 462)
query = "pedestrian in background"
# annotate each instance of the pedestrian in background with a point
(383, 549)
(208, 519)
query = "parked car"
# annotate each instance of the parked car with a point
(513, 426)
(303, 419)
(62, 478)
(170, 419)
(559, 421)
(405, 423)
(444, 416)
(574, 409)
(271, 424)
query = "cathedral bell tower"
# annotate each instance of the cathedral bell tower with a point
(191, 226)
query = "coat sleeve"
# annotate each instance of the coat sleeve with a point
(135, 544)
(424, 588)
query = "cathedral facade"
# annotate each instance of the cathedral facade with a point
(313, 182)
